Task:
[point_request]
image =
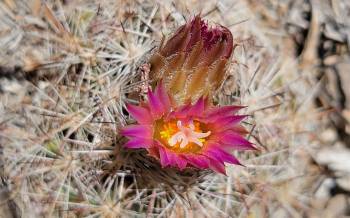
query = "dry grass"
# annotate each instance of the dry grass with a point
(69, 67)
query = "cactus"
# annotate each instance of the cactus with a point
(77, 67)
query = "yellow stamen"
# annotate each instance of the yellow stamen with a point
(181, 138)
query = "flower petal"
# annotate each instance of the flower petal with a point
(234, 140)
(139, 131)
(164, 161)
(167, 157)
(217, 166)
(181, 162)
(218, 154)
(216, 112)
(181, 112)
(226, 122)
(171, 158)
(140, 114)
(239, 129)
(163, 96)
(155, 105)
(199, 161)
(197, 108)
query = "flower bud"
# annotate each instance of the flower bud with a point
(193, 62)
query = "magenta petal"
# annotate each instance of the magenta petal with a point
(217, 166)
(171, 158)
(235, 141)
(140, 114)
(238, 129)
(139, 131)
(163, 96)
(181, 162)
(197, 108)
(163, 157)
(167, 158)
(138, 143)
(227, 122)
(155, 105)
(220, 155)
(198, 161)
(182, 111)
(224, 110)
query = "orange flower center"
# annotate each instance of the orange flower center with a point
(181, 137)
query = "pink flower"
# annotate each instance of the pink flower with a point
(198, 135)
